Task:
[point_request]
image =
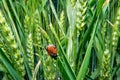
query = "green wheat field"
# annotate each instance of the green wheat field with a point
(86, 34)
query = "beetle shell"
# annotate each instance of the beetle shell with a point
(52, 51)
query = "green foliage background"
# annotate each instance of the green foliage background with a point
(85, 32)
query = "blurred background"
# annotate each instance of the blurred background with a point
(86, 34)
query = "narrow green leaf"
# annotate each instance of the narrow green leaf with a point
(99, 6)
(71, 18)
(89, 30)
(84, 66)
(99, 50)
(63, 70)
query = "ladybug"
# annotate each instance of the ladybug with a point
(52, 51)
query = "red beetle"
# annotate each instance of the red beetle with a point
(52, 51)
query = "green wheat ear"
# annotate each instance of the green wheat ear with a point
(10, 47)
(32, 36)
(115, 34)
(30, 55)
(115, 30)
(81, 14)
(37, 29)
(62, 23)
(114, 38)
(62, 18)
(103, 30)
(105, 69)
(26, 25)
(73, 2)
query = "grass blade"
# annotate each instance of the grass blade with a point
(84, 66)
